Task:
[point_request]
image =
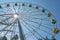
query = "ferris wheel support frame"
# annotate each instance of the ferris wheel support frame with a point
(20, 31)
(27, 19)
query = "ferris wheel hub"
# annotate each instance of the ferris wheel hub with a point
(15, 16)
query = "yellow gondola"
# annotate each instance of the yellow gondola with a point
(49, 15)
(56, 31)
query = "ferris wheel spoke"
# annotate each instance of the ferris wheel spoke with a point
(10, 28)
(14, 28)
(27, 11)
(46, 27)
(22, 10)
(32, 28)
(30, 32)
(34, 14)
(44, 31)
(5, 27)
(9, 25)
(45, 19)
(31, 21)
(38, 28)
(6, 30)
(4, 11)
(14, 9)
(6, 15)
(35, 31)
(28, 19)
(6, 19)
(7, 10)
(19, 8)
(43, 25)
(4, 23)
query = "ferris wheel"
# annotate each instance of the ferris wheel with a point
(26, 21)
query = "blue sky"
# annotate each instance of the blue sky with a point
(52, 5)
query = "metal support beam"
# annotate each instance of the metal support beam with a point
(20, 31)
